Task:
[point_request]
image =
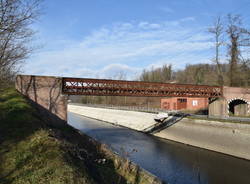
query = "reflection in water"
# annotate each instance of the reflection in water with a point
(172, 162)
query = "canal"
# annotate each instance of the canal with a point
(172, 162)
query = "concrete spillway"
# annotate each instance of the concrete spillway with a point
(224, 137)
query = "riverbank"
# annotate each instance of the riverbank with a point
(31, 151)
(224, 137)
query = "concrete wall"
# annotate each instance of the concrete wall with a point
(218, 108)
(228, 138)
(241, 109)
(130, 119)
(45, 94)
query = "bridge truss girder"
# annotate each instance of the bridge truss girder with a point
(103, 87)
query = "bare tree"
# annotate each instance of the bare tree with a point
(16, 16)
(238, 37)
(120, 75)
(217, 30)
(162, 74)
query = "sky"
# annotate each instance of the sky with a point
(114, 38)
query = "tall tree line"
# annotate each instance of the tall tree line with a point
(162, 74)
(202, 74)
(231, 39)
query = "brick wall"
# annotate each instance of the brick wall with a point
(191, 103)
(45, 94)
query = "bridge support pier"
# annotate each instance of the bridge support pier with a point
(235, 101)
(218, 108)
(45, 94)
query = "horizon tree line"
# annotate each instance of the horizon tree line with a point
(230, 37)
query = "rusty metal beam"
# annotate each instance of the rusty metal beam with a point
(104, 87)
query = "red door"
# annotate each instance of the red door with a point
(181, 103)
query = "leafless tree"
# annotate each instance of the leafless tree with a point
(217, 30)
(16, 16)
(162, 74)
(238, 37)
(120, 75)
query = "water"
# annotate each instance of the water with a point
(172, 162)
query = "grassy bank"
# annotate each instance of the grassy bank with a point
(33, 152)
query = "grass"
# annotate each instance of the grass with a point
(31, 152)
(28, 152)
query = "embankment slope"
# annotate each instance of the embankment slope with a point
(32, 151)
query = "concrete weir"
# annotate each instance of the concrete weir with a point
(224, 137)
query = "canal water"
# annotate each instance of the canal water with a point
(172, 162)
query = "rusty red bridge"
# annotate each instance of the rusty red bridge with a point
(104, 87)
(50, 93)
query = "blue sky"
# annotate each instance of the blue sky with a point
(104, 38)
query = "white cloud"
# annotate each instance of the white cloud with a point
(127, 47)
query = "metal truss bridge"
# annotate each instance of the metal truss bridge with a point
(103, 87)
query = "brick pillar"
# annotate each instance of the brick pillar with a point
(45, 94)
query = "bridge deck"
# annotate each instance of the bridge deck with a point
(101, 87)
